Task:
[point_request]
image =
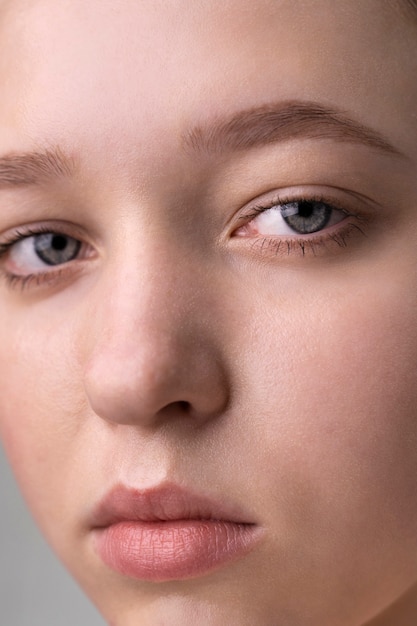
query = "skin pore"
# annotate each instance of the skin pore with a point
(193, 337)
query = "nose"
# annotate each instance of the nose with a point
(150, 353)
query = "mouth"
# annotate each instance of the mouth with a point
(168, 533)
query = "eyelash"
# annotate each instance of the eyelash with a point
(25, 281)
(299, 244)
(304, 244)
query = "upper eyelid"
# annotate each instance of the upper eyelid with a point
(18, 233)
(20, 236)
(315, 192)
(353, 203)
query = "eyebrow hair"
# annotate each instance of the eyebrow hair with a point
(412, 5)
(31, 168)
(281, 122)
(246, 129)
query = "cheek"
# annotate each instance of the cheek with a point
(40, 410)
(336, 396)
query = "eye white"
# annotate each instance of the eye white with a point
(26, 254)
(272, 222)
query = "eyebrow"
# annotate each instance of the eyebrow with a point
(246, 129)
(31, 168)
(282, 122)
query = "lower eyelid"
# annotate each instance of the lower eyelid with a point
(57, 277)
(328, 242)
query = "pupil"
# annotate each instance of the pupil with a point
(59, 242)
(306, 209)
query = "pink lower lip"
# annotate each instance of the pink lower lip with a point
(174, 549)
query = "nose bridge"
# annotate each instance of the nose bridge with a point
(141, 300)
(142, 311)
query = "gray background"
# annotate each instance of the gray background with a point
(35, 590)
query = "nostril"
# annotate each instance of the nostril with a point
(184, 406)
(179, 408)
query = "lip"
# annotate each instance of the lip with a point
(168, 533)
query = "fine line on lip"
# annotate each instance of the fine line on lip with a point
(179, 550)
(167, 502)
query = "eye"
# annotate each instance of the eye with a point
(33, 253)
(301, 217)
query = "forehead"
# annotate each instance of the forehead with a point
(142, 71)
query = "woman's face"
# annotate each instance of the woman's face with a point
(239, 319)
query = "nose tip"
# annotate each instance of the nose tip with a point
(146, 385)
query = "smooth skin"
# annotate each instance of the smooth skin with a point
(190, 341)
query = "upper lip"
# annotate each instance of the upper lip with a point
(166, 502)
